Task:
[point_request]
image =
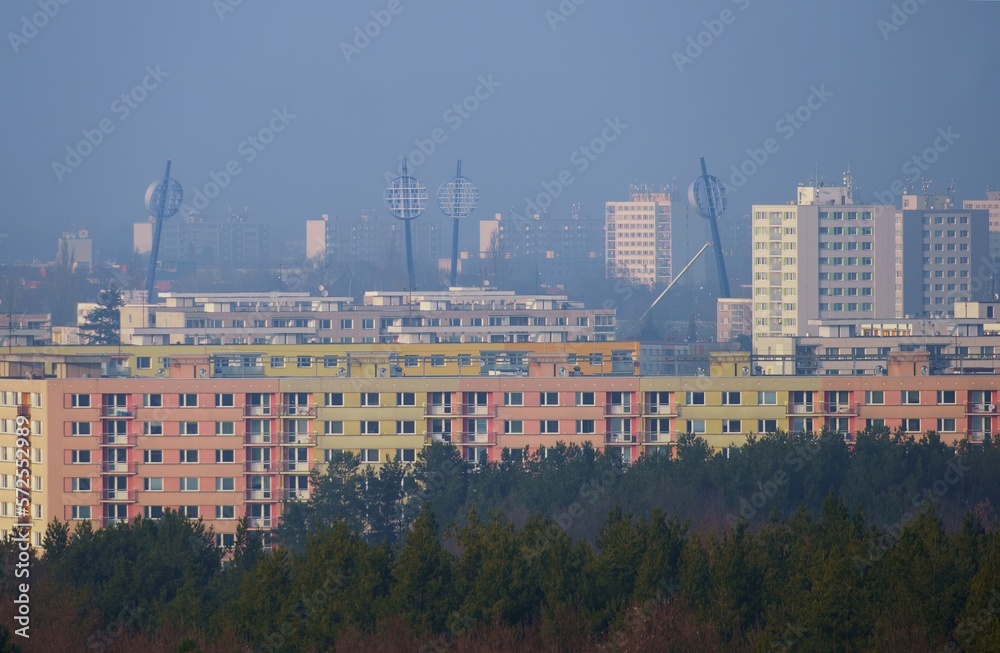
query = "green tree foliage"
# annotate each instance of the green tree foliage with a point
(103, 324)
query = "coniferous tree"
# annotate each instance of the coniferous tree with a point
(103, 324)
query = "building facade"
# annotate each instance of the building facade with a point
(231, 245)
(638, 237)
(733, 318)
(992, 206)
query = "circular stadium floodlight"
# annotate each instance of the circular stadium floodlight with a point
(458, 197)
(708, 196)
(164, 197)
(405, 196)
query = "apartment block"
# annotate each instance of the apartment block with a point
(638, 239)
(733, 318)
(991, 205)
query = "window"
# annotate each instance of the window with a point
(730, 399)
(152, 484)
(875, 423)
(334, 399)
(189, 456)
(80, 401)
(224, 400)
(548, 426)
(225, 428)
(369, 428)
(585, 425)
(80, 512)
(767, 398)
(368, 324)
(225, 456)
(406, 399)
(513, 399)
(464, 360)
(406, 427)
(369, 399)
(945, 397)
(80, 484)
(346, 324)
(330, 361)
(584, 398)
(911, 425)
(80, 456)
(695, 398)
(304, 361)
(80, 428)
(548, 398)
(946, 425)
(406, 455)
(731, 426)
(225, 484)
(188, 401)
(333, 455)
(152, 400)
(189, 484)
(911, 397)
(225, 512)
(152, 428)
(875, 397)
(595, 359)
(333, 427)
(695, 426)
(513, 426)
(411, 361)
(277, 361)
(152, 512)
(152, 456)
(191, 512)
(437, 360)
(369, 455)
(189, 428)
(767, 425)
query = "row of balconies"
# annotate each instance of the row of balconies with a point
(284, 494)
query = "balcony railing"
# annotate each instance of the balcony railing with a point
(659, 409)
(23, 411)
(258, 495)
(834, 408)
(293, 494)
(978, 436)
(439, 409)
(802, 409)
(655, 436)
(298, 438)
(259, 467)
(477, 438)
(118, 440)
(126, 412)
(108, 467)
(475, 409)
(981, 408)
(259, 522)
(619, 438)
(258, 438)
(108, 522)
(298, 411)
(440, 437)
(119, 496)
(258, 411)
(619, 409)
(294, 466)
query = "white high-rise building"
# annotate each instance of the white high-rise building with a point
(638, 239)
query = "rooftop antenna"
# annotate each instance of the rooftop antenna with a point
(457, 198)
(406, 198)
(708, 196)
(163, 199)
(849, 182)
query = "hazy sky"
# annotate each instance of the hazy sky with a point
(549, 83)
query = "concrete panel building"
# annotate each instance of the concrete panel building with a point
(638, 239)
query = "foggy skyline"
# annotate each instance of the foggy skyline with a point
(522, 92)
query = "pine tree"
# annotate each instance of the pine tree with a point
(103, 325)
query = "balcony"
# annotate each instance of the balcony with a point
(298, 438)
(258, 495)
(23, 411)
(978, 436)
(258, 411)
(619, 438)
(294, 494)
(656, 437)
(258, 438)
(476, 438)
(802, 409)
(108, 467)
(438, 409)
(985, 408)
(618, 409)
(291, 410)
(259, 467)
(118, 412)
(259, 522)
(118, 440)
(440, 437)
(833, 408)
(294, 466)
(119, 496)
(663, 410)
(475, 409)
(108, 522)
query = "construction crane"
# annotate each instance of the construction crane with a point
(676, 279)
